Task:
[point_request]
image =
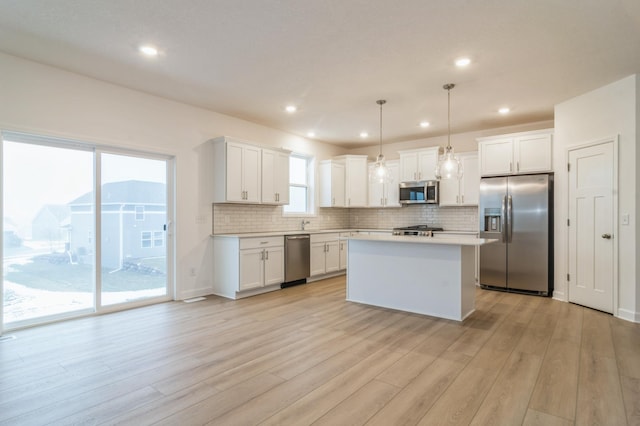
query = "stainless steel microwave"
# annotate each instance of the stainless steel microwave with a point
(419, 192)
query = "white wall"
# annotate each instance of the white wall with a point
(608, 111)
(44, 100)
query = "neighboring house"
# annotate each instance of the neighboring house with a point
(133, 219)
(51, 223)
(10, 236)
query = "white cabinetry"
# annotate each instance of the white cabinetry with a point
(275, 177)
(355, 180)
(325, 253)
(385, 194)
(236, 171)
(517, 153)
(463, 192)
(247, 266)
(331, 174)
(343, 181)
(418, 164)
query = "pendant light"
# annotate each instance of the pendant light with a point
(449, 166)
(380, 172)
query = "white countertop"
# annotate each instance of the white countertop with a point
(460, 241)
(327, 231)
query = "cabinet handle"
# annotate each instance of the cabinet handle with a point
(517, 166)
(462, 199)
(266, 255)
(262, 255)
(510, 167)
(457, 199)
(333, 201)
(386, 201)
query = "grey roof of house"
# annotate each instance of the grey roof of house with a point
(59, 211)
(128, 192)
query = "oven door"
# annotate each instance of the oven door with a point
(413, 193)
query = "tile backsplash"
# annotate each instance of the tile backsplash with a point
(239, 218)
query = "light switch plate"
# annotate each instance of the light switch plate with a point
(625, 218)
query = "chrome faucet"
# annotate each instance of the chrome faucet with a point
(304, 222)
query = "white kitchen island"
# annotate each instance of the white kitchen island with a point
(424, 275)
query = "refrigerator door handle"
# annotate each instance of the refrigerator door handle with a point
(503, 231)
(509, 219)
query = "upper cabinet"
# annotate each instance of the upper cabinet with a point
(343, 181)
(385, 194)
(275, 177)
(418, 164)
(246, 173)
(517, 153)
(331, 173)
(463, 192)
(356, 180)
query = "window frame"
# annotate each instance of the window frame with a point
(310, 186)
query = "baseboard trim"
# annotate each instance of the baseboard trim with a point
(628, 315)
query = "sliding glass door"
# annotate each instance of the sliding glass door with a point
(83, 229)
(47, 270)
(133, 228)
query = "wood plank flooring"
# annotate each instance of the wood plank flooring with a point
(304, 356)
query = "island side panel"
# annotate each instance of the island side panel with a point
(420, 278)
(468, 296)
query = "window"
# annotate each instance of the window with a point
(139, 212)
(300, 185)
(158, 238)
(146, 239)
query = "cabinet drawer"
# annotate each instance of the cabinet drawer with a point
(256, 242)
(323, 238)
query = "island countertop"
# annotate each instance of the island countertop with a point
(461, 240)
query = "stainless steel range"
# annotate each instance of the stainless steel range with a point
(417, 230)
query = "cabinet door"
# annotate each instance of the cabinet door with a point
(251, 173)
(337, 185)
(533, 153)
(356, 182)
(496, 157)
(269, 176)
(470, 183)
(275, 177)
(251, 268)
(235, 190)
(317, 258)
(449, 192)
(344, 245)
(332, 256)
(282, 178)
(408, 166)
(391, 189)
(376, 191)
(427, 162)
(273, 265)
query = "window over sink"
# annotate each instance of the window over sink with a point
(301, 186)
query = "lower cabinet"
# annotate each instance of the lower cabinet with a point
(325, 253)
(247, 266)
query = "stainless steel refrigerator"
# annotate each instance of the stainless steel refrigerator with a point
(518, 211)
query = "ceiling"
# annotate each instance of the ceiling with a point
(335, 58)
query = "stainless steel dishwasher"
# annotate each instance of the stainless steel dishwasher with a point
(296, 259)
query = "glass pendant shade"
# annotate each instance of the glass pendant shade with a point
(449, 166)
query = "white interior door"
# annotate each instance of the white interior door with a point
(591, 231)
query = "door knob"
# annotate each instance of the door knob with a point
(606, 236)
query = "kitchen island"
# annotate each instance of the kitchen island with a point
(424, 275)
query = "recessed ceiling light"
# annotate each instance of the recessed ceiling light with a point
(291, 108)
(424, 124)
(311, 134)
(364, 134)
(462, 62)
(148, 50)
(504, 110)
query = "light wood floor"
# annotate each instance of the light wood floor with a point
(306, 356)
